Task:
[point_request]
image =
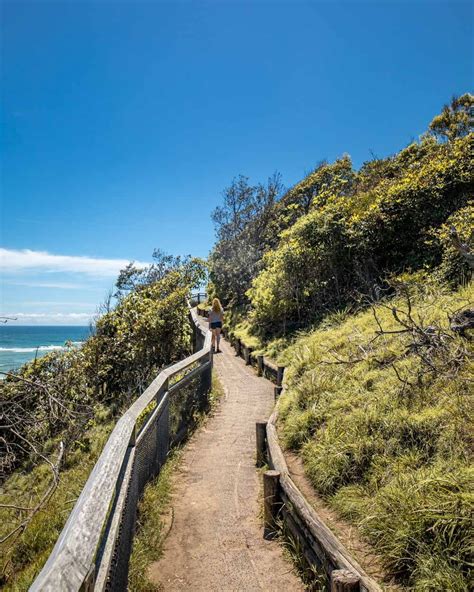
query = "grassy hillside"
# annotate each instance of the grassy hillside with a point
(24, 553)
(379, 405)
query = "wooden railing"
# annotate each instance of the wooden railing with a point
(199, 297)
(93, 549)
(320, 548)
(284, 504)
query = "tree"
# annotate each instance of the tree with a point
(193, 270)
(230, 218)
(242, 224)
(455, 119)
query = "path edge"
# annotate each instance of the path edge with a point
(319, 544)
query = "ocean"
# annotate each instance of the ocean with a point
(19, 344)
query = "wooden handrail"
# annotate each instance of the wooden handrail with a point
(71, 563)
(330, 552)
(321, 543)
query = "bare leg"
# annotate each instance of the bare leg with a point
(218, 338)
(213, 340)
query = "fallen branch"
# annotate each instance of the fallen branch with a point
(45, 497)
(462, 321)
(462, 248)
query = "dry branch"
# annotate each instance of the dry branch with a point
(463, 248)
(19, 528)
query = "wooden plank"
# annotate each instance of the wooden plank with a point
(269, 364)
(312, 545)
(293, 527)
(183, 364)
(109, 548)
(74, 552)
(274, 450)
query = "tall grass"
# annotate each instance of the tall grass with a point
(387, 440)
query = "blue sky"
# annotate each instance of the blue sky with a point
(123, 121)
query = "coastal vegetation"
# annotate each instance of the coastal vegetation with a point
(339, 231)
(379, 406)
(359, 282)
(58, 410)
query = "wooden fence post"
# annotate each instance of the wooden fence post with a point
(277, 391)
(206, 382)
(271, 503)
(280, 372)
(260, 365)
(248, 354)
(343, 580)
(261, 433)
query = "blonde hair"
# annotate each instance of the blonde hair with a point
(216, 305)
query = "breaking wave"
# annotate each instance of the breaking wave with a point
(41, 348)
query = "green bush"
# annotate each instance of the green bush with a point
(349, 242)
(149, 328)
(453, 268)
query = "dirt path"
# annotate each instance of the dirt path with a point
(216, 541)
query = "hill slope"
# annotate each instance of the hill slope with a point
(379, 406)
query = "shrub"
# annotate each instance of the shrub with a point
(454, 268)
(348, 243)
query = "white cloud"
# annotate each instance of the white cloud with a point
(54, 285)
(49, 315)
(26, 260)
(47, 318)
(44, 303)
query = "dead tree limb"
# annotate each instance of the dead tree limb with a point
(463, 248)
(44, 498)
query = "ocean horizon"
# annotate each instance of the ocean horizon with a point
(22, 343)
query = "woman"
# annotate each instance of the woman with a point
(216, 316)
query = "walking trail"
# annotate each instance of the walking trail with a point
(216, 541)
